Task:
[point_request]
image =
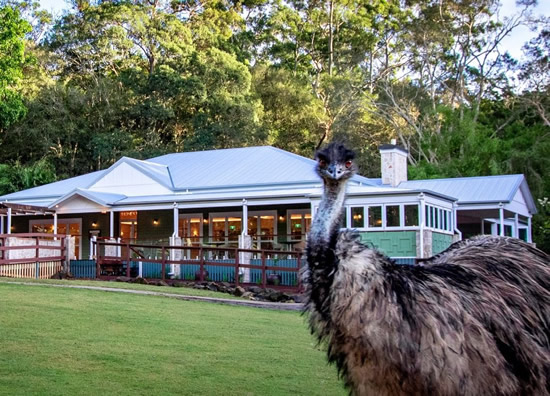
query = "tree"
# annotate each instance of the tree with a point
(12, 60)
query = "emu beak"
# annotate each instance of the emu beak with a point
(335, 171)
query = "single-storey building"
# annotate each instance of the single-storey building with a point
(213, 197)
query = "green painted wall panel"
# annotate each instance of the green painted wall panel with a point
(150, 233)
(392, 243)
(440, 242)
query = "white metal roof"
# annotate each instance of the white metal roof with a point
(477, 190)
(247, 166)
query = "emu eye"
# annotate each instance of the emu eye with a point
(348, 164)
(322, 163)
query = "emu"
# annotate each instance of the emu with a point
(474, 320)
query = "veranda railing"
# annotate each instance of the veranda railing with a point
(32, 255)
(239, 266)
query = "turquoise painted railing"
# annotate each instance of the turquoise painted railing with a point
(83, 268)
(404, 260)
(287, 278)
(222, 273)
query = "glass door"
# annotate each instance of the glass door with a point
(190, 231)
(128, 226)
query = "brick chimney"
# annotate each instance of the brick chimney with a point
(394, 163)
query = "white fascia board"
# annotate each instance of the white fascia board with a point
(276, 187)
(511, 207)
(213, 204)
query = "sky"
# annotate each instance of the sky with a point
(512, 44)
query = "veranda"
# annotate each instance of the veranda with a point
(39, 255)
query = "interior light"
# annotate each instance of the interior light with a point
(155, 221)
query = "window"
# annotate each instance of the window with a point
(234, 228)
(375, 216)
(262, 230)
(190, 228)
(298, 224)
(357, 217)
(438, 218)
(227, 227)
(218, 229)
(392, 216)
(411, 215)
(523, 234)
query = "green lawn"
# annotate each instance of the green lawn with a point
(187, 291)
(73, 341)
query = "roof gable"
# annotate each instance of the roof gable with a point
(134, 177)
(84, 199)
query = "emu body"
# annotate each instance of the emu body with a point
(473, 320)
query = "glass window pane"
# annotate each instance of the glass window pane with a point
(508, 230)
(435, 218)
(427, 216)
(392, 216)
(375, 216)
(195, 228)
(218, 228)
(252, 225)
(523, 234)
(307, 222)
(357, 217)
(182, 227)
(234, 228)
(411, 215)
(267, 225)
(296, 224)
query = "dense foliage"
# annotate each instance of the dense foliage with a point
(142, 78)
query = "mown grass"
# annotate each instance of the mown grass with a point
(187, 291)
(85, 342)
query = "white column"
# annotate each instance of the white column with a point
(111, 224)
(422, 219)
(176, 220)
(9, 221)
(55, 223)
(245, 218)
(1, 224)
(516, 225)
(529, 230)
(501, 214)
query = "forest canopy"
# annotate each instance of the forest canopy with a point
(147, 77)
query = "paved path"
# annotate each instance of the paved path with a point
(227, 301)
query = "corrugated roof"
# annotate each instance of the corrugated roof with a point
(262, 165)
(472, 189)
(55, 189)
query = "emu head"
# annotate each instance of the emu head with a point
(335, 163)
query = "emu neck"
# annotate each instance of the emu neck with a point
(327, 220)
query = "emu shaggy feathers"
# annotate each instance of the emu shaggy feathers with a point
(474, 320)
